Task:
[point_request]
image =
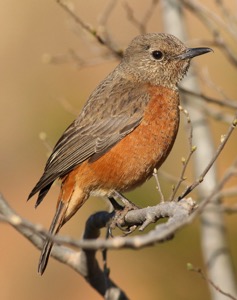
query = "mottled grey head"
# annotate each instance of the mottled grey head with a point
(158, 58)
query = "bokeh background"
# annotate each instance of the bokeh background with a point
(31, 96)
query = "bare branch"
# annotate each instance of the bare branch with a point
(230, 172)
(176, 212)
(89, 29)
(213, 22)
(212, 223)
(169, 177)
(202, 274)
(192, 149)
(132, 18)
(88, 264)
(155, 174)
(104, 16)
(217, 115)
(212, 161)
(140, 25)
(220, 43)
(229, 209)
(227, 103)
(103, 20)
(230, 192)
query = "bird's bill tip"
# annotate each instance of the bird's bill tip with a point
(192, 52)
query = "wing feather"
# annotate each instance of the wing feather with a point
(111, 112)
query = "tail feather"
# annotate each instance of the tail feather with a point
(55, 226)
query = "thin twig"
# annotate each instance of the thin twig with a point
(44, 138)
(140, 25)
(228, 16)
(67, 106)
(230, 192)
(149, 12)
(220, 43)
(103, 26)
(206, 79)
(155, 174)
(89, 29)
(208, 17)
(229, 209)
(132, 18)
(105, 15)
(212, 22)
(169, 177)
(218, 151)
(217, 115)
(227, 103)
(201, 273)
(230, 172)
(192, 149)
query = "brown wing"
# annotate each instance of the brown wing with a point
(111, 112)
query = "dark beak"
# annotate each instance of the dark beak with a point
(192, 52)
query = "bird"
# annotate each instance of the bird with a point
(126, 128)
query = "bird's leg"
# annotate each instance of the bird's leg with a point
(127, 203)
(115, 204)
(120, 213)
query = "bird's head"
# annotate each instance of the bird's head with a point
(159, 59)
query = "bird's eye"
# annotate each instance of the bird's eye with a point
(158, 55)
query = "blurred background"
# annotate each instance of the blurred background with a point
(40, 84)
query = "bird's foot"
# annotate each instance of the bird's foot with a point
(120, 212)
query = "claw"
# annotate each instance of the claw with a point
(130, 230)
(120, 213)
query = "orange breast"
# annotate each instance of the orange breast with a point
(131, 161)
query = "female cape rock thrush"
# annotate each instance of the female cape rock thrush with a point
(125, 130)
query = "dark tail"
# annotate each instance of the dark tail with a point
(55, 226)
